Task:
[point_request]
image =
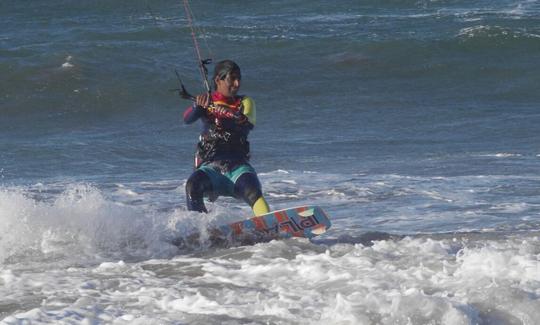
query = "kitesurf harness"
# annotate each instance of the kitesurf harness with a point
(222, 145)
(224, 139)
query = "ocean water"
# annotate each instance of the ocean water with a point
(415, 124)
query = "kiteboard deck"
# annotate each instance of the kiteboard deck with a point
(304, 221)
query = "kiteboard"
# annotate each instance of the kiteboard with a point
(304, 222)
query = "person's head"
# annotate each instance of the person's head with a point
(227, 78)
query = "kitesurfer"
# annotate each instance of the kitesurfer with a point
(222, 157)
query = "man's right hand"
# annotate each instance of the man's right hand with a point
(202, 101)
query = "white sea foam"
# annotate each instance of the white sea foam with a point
(410, 281)
(519, 207)
(507, 155)
(68, 64)
(497, 155)
(483, 31)
(79, 222)
(75, 254)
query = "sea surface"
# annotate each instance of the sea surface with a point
(415, 124)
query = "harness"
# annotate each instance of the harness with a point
(220, 143)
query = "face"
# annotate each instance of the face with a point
(230, 85)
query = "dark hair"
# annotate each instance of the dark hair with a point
(223, 68)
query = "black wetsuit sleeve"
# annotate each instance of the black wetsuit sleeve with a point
(193, 113)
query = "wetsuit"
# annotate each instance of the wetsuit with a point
(222, 156)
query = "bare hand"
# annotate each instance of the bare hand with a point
(203, 100)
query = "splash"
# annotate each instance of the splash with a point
(78, 225)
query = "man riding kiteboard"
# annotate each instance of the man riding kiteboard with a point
(222, 157)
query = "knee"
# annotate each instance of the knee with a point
(197, 184)
(248, 188)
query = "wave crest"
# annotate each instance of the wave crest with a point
(78, 225)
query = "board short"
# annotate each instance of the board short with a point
(223, 180)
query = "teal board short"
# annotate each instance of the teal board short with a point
(223, 182)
